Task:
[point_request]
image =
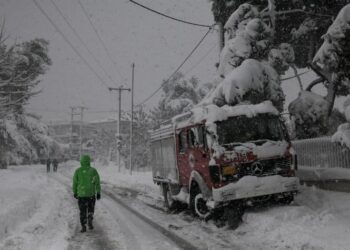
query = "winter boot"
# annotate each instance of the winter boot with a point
(83, 229)
(90, 225)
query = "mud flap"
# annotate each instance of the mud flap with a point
(233, 214)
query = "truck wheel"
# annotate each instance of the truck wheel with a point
(287, 199)
(200, 206)
(234, 213)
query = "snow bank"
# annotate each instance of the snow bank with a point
(319, 174)
(34, 212)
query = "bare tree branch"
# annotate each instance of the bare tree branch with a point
(314, 83)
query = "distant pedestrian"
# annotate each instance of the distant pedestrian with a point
(55, 165)
(86, 189)
(48, 164)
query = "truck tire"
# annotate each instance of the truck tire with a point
(200, 206)
(287, 199)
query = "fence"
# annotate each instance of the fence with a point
(321, 152)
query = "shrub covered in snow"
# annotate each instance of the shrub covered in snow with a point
(25, 140)
(342, 135)
(309, 109)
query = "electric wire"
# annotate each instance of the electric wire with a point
(201, 59)
(100, 39)
(291, 77)
(178, 68)
(170, 17)
(69, 43)
(80, 39)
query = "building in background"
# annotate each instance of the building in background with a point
(97, 137)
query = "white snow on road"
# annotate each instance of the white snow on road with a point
(34, 212)
(37, 212)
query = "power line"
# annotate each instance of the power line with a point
(69, 43)
(178, 68)
(100, 39)
(291, 77)
(170, 17)
(80, 39)
(201, 59)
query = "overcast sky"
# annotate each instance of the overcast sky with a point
(131, 34)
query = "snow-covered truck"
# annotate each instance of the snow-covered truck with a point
(224, 157)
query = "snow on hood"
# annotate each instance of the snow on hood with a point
(267, 150)
(212, 113)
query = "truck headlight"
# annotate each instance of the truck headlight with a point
(230, 170)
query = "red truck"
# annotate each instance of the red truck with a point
(224, 157)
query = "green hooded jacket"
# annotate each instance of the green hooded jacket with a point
(86, 181)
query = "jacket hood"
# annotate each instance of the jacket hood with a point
(85, 161)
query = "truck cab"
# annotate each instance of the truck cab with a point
(225, 156)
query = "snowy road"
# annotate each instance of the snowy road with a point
(136, 233)
(38, 212)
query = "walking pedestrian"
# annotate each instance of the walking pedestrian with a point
(55, 165)
(86, 189)
(48, 163)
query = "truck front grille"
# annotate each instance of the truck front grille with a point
(265, 167)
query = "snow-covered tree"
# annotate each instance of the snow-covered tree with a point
(332, 64)
(24, 138)
(141, 141)
(179, 95)
(250, 64)
(255, 27)
(299, 22)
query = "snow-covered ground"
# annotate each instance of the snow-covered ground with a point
(38, 212)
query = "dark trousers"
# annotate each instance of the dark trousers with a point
(87, 208)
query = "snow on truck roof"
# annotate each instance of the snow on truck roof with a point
(212, 113)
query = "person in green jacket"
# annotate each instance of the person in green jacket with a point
(86, 189)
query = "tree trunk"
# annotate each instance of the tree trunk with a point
(330, 97)
(221, 36)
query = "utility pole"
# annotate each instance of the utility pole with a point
(132, 116)
(120, 89)
(77, 111)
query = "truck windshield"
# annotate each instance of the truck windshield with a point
(243, 129)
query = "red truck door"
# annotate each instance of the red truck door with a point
(182, 156)
(192, 153)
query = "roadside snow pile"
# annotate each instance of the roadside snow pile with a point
(33, 212)
(317, 220)
(320, 174)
